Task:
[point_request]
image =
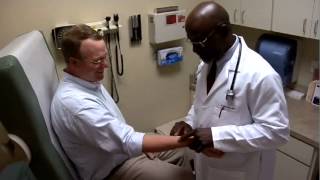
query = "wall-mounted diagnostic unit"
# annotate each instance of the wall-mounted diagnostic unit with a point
(166, 26)
(100, 26)
(57, 34)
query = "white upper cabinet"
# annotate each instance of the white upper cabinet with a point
(250, 13)
(256, 13)
(296, 17)
(233, 9)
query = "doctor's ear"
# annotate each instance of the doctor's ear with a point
(224, 29)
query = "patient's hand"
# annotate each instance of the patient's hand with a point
(211, 152)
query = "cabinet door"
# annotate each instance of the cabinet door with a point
(299, 150)
(292, 16)
(256, 13)
(288, 168)
(315, 31)
(233, 9)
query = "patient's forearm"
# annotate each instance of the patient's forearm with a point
(157, 143)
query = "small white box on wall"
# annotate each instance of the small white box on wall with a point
(316, 95)
(313, 94)
(166, 26)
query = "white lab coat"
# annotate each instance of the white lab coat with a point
(249, 128)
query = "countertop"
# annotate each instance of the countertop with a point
(304, 121)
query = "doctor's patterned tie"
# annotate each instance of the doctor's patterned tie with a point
(211, 76)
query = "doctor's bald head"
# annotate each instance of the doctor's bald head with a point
(209, 29)
(206, 16)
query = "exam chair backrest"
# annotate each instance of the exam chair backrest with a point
(29, 78)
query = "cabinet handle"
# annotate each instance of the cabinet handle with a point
(242, 16)
(235, 15)
(315, 30)
(304, 26)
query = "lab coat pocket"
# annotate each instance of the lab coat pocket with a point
(205, 116)
(216, 115)
(228, 115)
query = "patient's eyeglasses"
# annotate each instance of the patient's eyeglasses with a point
(99, 60)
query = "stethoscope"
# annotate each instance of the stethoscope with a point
(230, 92)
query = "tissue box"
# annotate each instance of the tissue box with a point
(169, 56)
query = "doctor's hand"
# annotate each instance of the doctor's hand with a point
(202, 138)
(180, 128)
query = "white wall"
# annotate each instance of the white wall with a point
(149, 95)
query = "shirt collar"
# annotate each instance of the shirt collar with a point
(227, 56)
(87, 84)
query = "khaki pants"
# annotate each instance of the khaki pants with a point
(169, 165)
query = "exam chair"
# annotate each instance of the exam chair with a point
(28, 78)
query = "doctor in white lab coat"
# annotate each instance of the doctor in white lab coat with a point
(242, 131)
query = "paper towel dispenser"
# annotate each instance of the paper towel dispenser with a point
(280, 52)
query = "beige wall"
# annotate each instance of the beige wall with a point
(149, 95)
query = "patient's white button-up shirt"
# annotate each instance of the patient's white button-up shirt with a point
(91, 128)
